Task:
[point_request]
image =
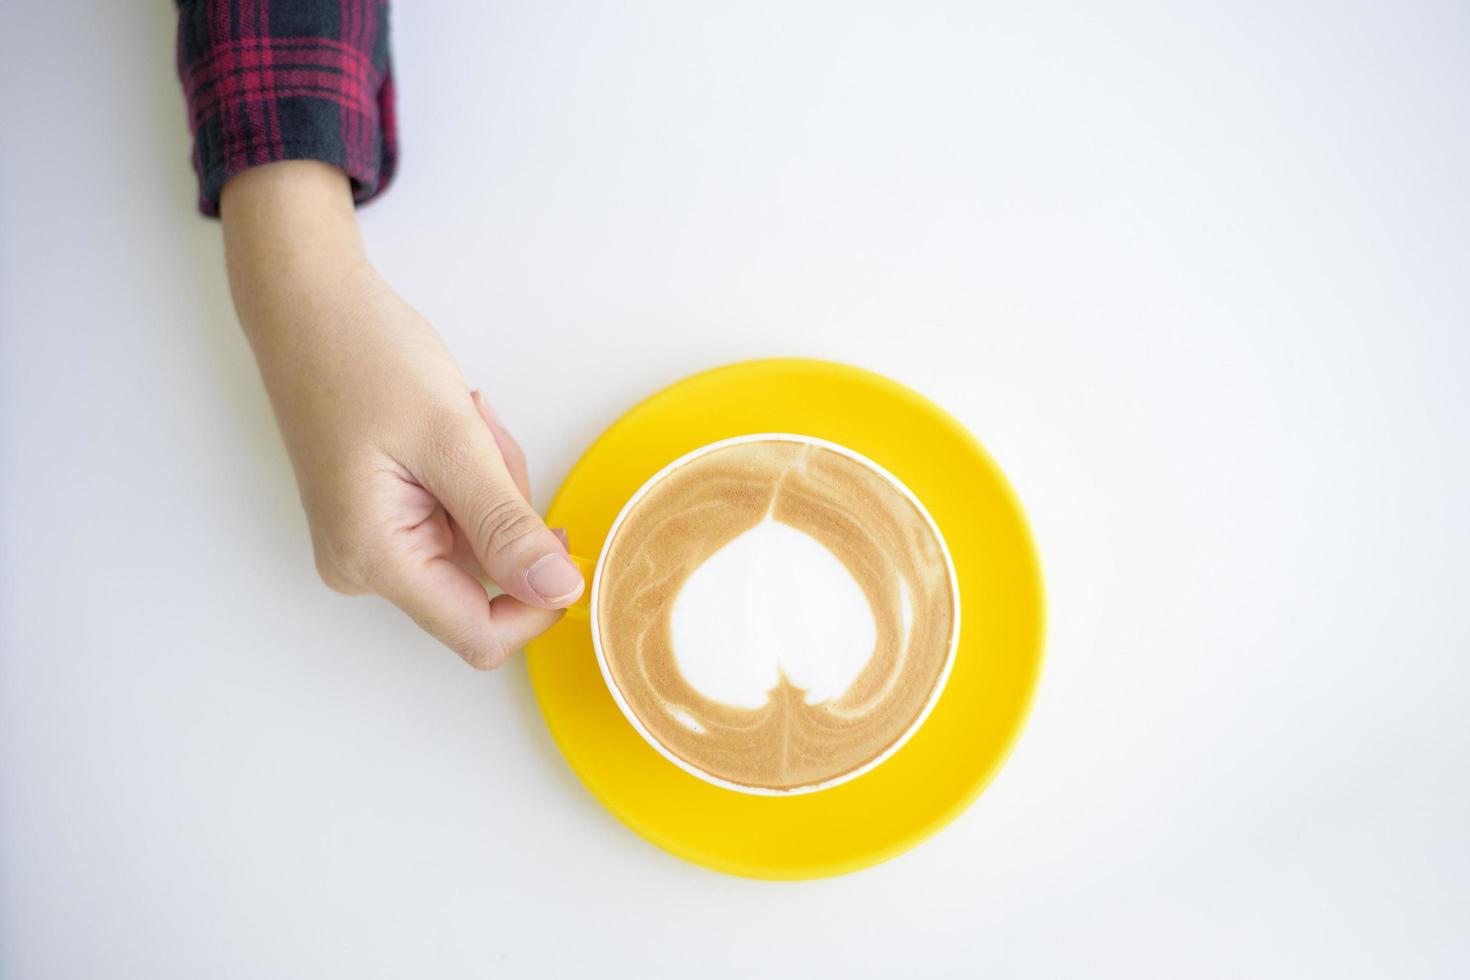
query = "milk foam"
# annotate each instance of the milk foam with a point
(774, 614)
(773, 602)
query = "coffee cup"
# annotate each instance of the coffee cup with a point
(773, 613)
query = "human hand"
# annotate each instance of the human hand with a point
(412, 487)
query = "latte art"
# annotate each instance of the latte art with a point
(772, 602)
(820, 598)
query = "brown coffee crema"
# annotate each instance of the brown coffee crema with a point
(874, 529)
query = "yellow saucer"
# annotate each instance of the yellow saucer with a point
(960, 747)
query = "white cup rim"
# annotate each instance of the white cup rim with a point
(648, 736)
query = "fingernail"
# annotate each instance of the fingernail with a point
(555, 579)
(485, 410)
(561, 535)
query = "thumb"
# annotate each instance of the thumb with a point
(514, 546)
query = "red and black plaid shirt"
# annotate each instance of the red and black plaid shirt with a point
(269, 80)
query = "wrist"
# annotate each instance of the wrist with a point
(291, 240)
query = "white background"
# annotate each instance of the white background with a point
(1197, 274)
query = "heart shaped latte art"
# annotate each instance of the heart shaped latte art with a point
(775, 613)
(772, 604)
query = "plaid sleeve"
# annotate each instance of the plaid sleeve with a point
(269, 80)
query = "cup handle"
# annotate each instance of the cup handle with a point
(582, 608)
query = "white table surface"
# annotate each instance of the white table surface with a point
(1199, 278)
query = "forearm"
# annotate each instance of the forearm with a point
(291, 242)
(320, 320)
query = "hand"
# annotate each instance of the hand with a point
(412, 487)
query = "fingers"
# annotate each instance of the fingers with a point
(462, 553)
(449, 604)
(510, 450)
(468, 473)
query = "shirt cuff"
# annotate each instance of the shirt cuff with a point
(297, 80)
